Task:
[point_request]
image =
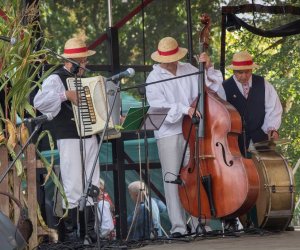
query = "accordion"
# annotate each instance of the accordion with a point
(96, 101)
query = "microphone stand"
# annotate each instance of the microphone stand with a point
(165, 80)
(244, 123)
(36, 129)
(91, 190)
(199, 127)
(147, 172)
(78, 89)
(244, 138)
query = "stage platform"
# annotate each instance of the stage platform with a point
(287, 240)
(257, 240)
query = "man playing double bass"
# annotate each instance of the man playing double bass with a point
(178, 94)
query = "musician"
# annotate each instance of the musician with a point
(255, 99)
(177, 94)
(54, 98)
(258, 104)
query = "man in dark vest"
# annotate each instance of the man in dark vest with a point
(54, 98)
(258, 104)
(255, 99)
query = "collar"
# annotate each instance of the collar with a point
(161, 70)
(240, 84)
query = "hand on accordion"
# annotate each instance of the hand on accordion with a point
(72, 96)
(122, 119)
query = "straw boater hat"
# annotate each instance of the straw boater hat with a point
(242, 61)
(168, 51)
(76, 48)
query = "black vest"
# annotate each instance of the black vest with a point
(252, 109)
(63, 124)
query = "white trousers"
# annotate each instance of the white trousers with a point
(170, 151)
(71, 169)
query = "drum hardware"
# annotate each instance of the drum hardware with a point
(272, 143)
(273, 188)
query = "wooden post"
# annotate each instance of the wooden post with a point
(16, 190)
(30, 164)
(4, 200)
(30, 160)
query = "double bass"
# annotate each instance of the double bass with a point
(217, 181)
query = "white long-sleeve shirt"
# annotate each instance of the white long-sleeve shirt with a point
(48, 99)
(178, 94)
(273, 108)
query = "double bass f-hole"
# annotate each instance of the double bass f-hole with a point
(224, 154)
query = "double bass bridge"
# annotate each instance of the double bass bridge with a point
(204, 157)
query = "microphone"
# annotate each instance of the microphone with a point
(39, 119)
(127, 73)
(177, 181)
(11, 40)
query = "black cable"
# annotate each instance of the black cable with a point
(253, 13)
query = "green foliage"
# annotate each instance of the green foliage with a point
(138, 38)
(21, 64)
(278, 57)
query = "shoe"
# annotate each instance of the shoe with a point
(207, 228)
(290, 228)
(176, 235)
(203, 229)
(69, 227)
(231, 225)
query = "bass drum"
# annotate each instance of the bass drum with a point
(276, 200)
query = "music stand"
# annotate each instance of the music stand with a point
(143, 119)
(139, 117)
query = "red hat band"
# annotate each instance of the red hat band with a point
(242, 63)
(76, 50)
(168, 53)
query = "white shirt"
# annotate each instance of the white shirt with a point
(178, 94)
(273, 108)
(49, 98)
(106, 224)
